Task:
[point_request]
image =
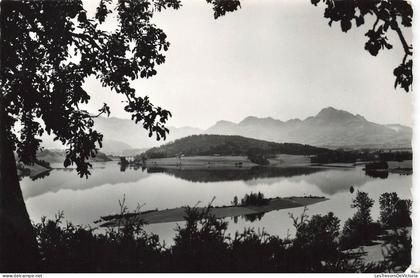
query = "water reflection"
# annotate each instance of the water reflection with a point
(377, 174)
(233, 174)
(253, 217)
(67, 178)
(335, 181)
(41, 175)
(329, 180)
(85, 200)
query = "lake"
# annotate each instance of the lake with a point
(85, 200)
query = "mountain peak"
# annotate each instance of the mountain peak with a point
(332, 114)
(223, 122)
(330, 109)
(251, 120)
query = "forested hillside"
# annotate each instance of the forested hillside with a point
(228, 145)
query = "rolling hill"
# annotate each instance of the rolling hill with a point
(205, 144)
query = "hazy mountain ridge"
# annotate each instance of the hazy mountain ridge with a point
(124, 137)
(330, 127)
(119, 131)
(58, 156)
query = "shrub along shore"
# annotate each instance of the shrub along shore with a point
(202, 244)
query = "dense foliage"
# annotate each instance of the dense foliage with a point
(258, 156)
(336, 156)
(395, 212)
(254, 199)
(360, 229)
(49, 48)
(350, 156)
(228, 145)
(203, 245)
(398, 252)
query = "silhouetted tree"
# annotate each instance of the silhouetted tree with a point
(235, 201)
(394, 211)
(48, 49)
(359, 229)
(316, 241)
(388, 15)
(221, 7)
(254, 199)
(257, 156)
(398, 250)
(200, 245)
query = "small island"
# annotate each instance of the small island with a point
(251, 204)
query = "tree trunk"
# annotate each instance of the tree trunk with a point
(18, 246)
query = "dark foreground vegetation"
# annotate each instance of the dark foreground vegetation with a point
(202, 245)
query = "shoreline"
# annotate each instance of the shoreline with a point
(32, 171)
(234, 162)
(242, 163)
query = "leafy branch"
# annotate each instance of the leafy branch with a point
(389, 14)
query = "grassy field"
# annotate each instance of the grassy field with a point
(287, 160)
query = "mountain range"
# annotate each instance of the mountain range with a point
(331, 128)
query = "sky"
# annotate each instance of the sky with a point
(271, 58)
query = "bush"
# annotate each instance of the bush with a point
(395, 212)
(235, 201)
(316, 241)
(254, 199)
(201, 245)
(69, 248)
(398, 250)
(258, 252)
(257, 156)
(360, 229)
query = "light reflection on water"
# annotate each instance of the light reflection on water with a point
(85, 200)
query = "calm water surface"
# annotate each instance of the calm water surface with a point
(85, 200)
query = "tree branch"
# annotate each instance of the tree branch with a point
(406, 47)
(86, 38)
